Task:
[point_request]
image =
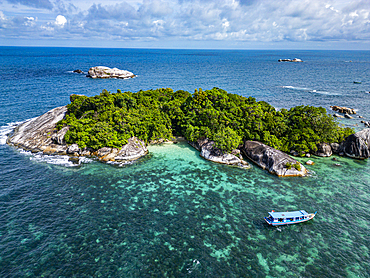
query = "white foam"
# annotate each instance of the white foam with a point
(296, 88)
(119, 164)
(62, 160)
(6, 129)
(325, 93)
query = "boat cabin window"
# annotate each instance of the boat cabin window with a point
(280, 219)
(297, 218)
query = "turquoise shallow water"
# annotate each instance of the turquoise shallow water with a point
(173, 214)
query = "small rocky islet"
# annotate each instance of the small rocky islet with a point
(42, 135)
(102, 72)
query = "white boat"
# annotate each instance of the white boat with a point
(289, 217)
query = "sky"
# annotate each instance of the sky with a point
(199, 24)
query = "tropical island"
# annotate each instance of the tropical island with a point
(223, 126)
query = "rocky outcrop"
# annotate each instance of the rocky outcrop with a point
(338, 116)
(58, 137)
(275, 161)
(39, 134)
(310, 162)
(357, 145)
(74, 149)
(290, 60)
(343, 110)
(199, 143)
(105, 72)
(367, 124)
(335, 147)
(323, 150)
(134, 149)
(210, 152)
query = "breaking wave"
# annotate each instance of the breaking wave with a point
(61, 160)
(6, 129)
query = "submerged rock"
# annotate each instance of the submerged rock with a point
(105, 72)
(275, 161)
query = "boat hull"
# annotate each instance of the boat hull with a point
(285, 222)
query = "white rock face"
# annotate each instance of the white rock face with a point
(36, 134)
(105, 72)
(210, 152)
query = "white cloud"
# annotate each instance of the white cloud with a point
(30, 21)
(190, 20)
(60, 20)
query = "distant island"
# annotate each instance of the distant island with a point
(102, 72)
(223, 126)
(290, 60)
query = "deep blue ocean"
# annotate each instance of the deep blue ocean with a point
(171, 213)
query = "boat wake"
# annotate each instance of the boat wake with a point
(310, 90)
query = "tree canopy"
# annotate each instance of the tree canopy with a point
(110, 119)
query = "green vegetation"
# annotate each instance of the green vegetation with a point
(296, 165)
(110, 119)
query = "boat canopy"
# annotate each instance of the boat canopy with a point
(288, 214)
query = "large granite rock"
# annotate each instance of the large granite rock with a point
(134, 149)
(357, 145)
(105, 72)
(58, 137)
(335, 147)
(323, 150)
(210, 152)
(275, 161)
(39, 134)
(199, 143)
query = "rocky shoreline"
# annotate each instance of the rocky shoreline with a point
(40, 135)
